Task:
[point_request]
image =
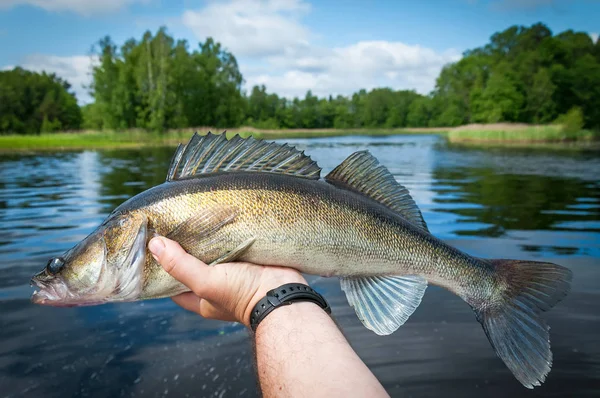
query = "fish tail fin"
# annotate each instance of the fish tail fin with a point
(512, 319)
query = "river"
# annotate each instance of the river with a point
(525, 204)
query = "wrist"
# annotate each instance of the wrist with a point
(296, 315)
(270, 283)
(283, 296)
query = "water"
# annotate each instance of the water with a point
(493, 203)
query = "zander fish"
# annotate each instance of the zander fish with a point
(261, 202)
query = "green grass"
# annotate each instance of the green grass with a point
(308, 133)
(516, 134)
(81, 140)
(139, 138)
(480, 135)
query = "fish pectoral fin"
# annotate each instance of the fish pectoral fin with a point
(384, 303)
(202, 224)
(235, 253)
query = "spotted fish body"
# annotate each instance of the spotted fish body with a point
(246, 200)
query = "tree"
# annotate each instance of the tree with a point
(420, 112)
(524, 74)
(32, 102)
(157, 83)
(540, 101)
(500, 100)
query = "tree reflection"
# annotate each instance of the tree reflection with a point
(129, 172)
(512, 202)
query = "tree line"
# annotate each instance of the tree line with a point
(524, 74)
(32, 102)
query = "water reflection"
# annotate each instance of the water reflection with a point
(515, 202)
(499, 203)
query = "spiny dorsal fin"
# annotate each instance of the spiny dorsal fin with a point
(362, 172)
(214, 153)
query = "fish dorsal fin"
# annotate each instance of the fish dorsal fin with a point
(362, 172)
(214, 153)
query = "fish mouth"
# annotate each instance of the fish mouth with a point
(56, 294)
(53, 293)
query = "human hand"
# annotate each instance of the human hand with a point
(227, 291)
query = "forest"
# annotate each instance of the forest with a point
(156, 83)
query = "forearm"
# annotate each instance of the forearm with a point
(301, 352)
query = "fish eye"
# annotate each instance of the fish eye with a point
(55, 265)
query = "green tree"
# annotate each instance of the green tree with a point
(540, 102)
(31, 103)
(157, 83)
(499, 101)
(420, 112)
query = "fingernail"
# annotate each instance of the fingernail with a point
(156, 247)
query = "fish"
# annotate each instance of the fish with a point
(243, 199)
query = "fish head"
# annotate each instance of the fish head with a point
(105, 266)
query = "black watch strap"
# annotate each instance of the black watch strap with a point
(285, 295)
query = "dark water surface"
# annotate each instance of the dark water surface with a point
(496, 203)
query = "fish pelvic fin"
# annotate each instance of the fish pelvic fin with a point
(384, 303)
(214, 153)
(361, 172)
(512, 318)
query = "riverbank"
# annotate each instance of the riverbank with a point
(491, 135)
(140, 138)
(522, 135)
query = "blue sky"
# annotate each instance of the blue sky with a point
(330, 47)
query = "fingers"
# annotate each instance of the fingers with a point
(180, 265)
(193, 303)
(188, 301)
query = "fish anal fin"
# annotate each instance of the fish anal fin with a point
(384, 303)
(362, 172)
(214, 153)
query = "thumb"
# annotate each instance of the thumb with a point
(182, 266)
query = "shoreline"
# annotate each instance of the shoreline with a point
(140, 139)
(482, 136)
(565, 145)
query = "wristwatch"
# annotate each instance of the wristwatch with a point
(285, 295)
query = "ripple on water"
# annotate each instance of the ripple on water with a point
(499, 203)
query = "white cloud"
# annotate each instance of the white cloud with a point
(271, 33)
(366, 64)
(83, 7)
(594, 36)
(74, 69)
(251, 27)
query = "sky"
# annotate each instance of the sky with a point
(290, 46)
